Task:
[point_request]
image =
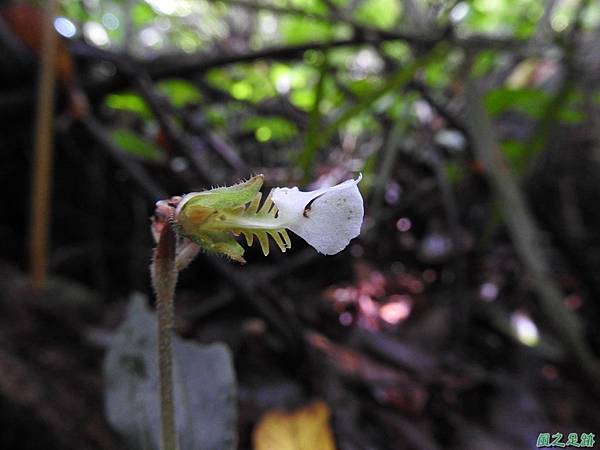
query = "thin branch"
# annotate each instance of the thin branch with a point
(137, 172)
(44, 138)
(386, 165)
(282, 10)
(546, 124)
(180, 66)
(195, 123)
(525, 234)
(462, 312)
(168, 126)
(451, 119)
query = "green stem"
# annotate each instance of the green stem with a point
(164, 279)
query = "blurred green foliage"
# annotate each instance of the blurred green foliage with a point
(343, 92)
(136, 145)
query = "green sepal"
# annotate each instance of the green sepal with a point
(219, 242)
(226, 197)
(210, 218)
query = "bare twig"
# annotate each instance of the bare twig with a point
(247, 289)
(196, 125)
(461, 313)
(452, 119)
(386, 165)
(525, 234)
(168, 126)
(135, 170)
(44, 133)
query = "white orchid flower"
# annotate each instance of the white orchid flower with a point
(328, 218)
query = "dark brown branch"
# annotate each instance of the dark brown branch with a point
(101, 136)
(174, 135)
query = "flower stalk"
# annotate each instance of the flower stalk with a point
(164, 279)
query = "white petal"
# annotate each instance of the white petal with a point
(327, 218)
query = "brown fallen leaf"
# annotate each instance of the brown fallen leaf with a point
(306, 428)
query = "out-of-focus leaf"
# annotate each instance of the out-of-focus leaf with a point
(128, 101)
(244, 82)
(396, 49)
(303, 98)
(279, 129)
(439, 72)
(532, 102)
(526, 100)
(378, 13)
(189, 40)
(306, 428)
(142, 14)
(136, 145)
(310, 6)
(395, 82)
(204, 387)
(180, 92)
(455, 173)
(287, 77)
(73, 10)
(484, 63)
(516, 154)
(364, 86)
(509, 17)
(298, 30)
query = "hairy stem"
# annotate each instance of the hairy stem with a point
(164, 279)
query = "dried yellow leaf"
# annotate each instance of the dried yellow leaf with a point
(306, 428)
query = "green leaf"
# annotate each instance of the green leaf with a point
(299, 30)
(364, 86)
(128, 101)
(310, 6)
(378, 13)
(142, 14)
(74, 10)
(533, 103)
(303, 98)
(244, 82)
(516, 154)
(136, 145)
(204, 387)
(509, 17)
(529, 101)
(394, 83)
(485, 61)
(455, 172)
(278, 128)
(180, 92)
